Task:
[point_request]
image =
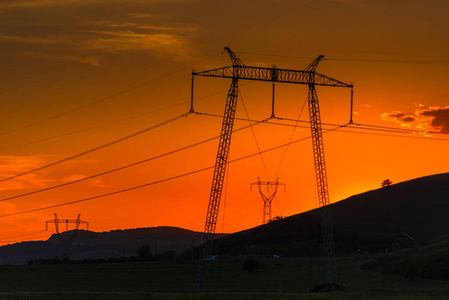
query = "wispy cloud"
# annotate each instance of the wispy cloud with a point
(44, 3)
(131, 41)
(88, 60)
(152, 27)
(94, 31)
(93, 60)
(403, 119)
(29, 40)
(38, 3)
(10, 165)
(87, 46)
(142, 15)
(428, 119)
(14, 164)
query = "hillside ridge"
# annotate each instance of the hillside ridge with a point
(361, 222)
(103, 245)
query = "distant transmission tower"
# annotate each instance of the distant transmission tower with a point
(267, 199)
(67, 241)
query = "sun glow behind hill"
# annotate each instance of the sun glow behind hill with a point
(106, 69)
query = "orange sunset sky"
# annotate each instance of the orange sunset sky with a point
(78, 74)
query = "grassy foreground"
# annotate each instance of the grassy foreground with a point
(206, 296)
(289, 278)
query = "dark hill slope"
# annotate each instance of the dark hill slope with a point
(419, 207)
(103, 245)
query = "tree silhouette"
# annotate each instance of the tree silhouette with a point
(144, 253)
(251, 264)
(277, 218)
(386, 183)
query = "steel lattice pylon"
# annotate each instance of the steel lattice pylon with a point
(66, 242)
(308, 76)
(219, 171)
(217, 183)
(267, 200)
(322, 186)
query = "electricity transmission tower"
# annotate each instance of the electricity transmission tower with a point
(219, 170)
(309, 77)
(67, 241)
(267, 199)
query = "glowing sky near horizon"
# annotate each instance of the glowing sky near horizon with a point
(77, 74)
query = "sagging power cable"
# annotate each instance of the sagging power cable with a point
(111, 96)
(254, 135)
(91, 128)
(122, 167)
(390, 61)
(158, 181)
(291, 137)
(96, 148)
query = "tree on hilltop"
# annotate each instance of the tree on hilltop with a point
(386, 183)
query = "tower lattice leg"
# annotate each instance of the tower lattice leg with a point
(217, 183)
(323, 191)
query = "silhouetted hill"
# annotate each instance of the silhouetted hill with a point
(418, 207)
(103, 245)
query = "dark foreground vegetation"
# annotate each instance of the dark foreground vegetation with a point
(229, 278)
(429, 262)
(143, 254)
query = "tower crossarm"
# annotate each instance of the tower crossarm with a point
(267, 199)
(273, 75)
(57, 221)
(70, 221)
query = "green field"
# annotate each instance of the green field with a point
(288, 278)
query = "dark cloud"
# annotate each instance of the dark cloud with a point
(89, 30)
(440, 118)
(399, 117)
(428, 119)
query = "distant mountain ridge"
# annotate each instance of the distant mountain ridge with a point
(418, 207)
(103, 245)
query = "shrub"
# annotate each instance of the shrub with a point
(251, 264)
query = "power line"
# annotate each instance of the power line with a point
(17, 236)
(411, 134)
(254, 135)
(289, 140)
(96, 148)
(399, 133)
(108, 194)
(109, 123)
(395, 61)
(120, 168)
(91, 128)
(396, 129)
(399, 130)
(108, 97)
(276, 55)
(344, 130)
(337, 128)
(354, 126)
(157, 181)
